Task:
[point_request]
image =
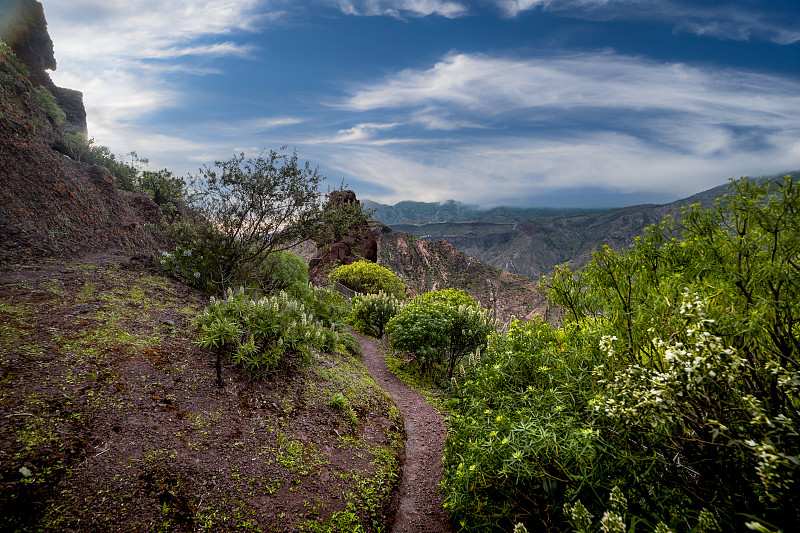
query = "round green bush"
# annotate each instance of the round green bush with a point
(369, 278)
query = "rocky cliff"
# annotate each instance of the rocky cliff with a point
(51, 205)
(427, 266)
(346, 245)
(24, 28)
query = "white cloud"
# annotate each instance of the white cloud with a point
(659, 127)
(359, 134)
(401, 8)
(146, 28)
(526, 168)
(480, 89)
(124, 57)
(729, 21)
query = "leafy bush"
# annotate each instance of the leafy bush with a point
(369, 278)
(675, 378)
(257, 332)
(441, 327)
(83, 149)
(49, 105)
(282, 270)
(371, 312)
(189, 266)
(520, 429)
(328, 306)
(164, 188)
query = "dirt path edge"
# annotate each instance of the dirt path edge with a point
(419, 502)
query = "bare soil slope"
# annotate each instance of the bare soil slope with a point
(110, 419)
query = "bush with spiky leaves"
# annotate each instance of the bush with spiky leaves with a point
(371, 312)
(257, 332)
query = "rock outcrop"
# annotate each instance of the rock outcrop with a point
(348, 245)
(24, 28)
(51, 205)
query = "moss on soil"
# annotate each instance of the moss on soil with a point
(111, 418)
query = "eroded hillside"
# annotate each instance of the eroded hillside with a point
(426, 266)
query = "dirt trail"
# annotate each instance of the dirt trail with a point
(420, 505)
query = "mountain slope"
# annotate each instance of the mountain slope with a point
(426, 266)
(533, 247)
(410, 212)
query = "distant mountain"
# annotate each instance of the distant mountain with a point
(410, 212)
(533, 246)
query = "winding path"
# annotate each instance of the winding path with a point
(419, 507)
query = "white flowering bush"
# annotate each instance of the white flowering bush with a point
(675, 377)
(697, 397)
(371, 312)
(190, 266)
(257, 332)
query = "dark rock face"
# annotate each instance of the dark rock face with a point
(24, 28)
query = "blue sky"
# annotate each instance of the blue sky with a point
(516, 102)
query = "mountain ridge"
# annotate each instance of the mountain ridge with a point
(533, 247)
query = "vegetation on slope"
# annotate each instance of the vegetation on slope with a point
(112, 417)
(428, 266)
(673, 386)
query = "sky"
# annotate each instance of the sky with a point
(564, 103)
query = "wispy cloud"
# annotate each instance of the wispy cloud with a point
(364, 134)
(401, 8)
(734, 20)
(601, 119)
(482, 88)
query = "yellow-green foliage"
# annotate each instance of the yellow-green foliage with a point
(674, 379)
(441, 327)
(369, 278)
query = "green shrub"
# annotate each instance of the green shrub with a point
(49, 105)
(369, 278)
(83, 149)
(441, 327)
(190, 266)
(371, 312)
(165, 189)
(328, 306)
(520, 434)
(675, 379)
(282, 270)
(257, 332)
(15, 61)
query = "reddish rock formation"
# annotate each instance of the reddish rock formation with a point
(356, 243)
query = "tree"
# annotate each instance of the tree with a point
(252, 207)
